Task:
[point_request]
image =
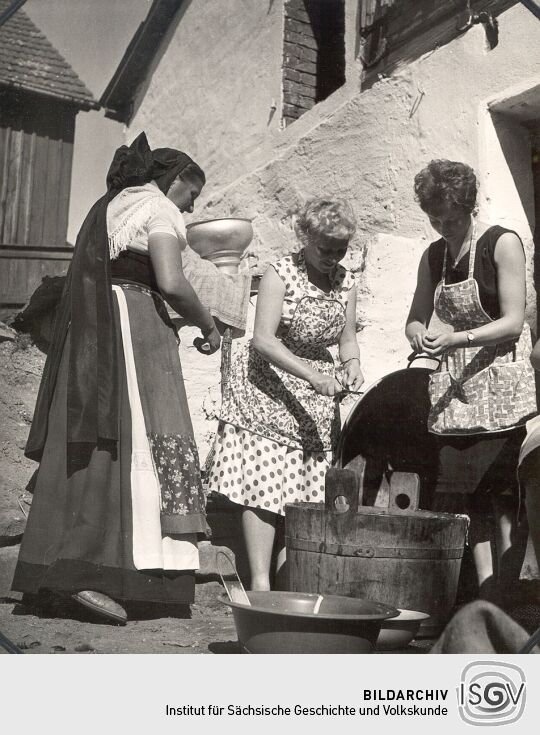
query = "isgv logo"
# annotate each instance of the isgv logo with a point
(491, 693)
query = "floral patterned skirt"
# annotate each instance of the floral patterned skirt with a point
(257, 472)
(121, 520)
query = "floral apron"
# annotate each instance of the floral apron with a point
(271, 402)
(478, 389)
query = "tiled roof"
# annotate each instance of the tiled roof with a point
(29, 61)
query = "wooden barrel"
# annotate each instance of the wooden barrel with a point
(398, 555)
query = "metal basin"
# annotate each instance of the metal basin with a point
(223, 241)
(284, 622)
(401, 630)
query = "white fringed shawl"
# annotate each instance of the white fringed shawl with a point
(129, 212)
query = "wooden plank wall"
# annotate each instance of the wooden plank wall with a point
(23, 269)
(36, 151)
(395, 32)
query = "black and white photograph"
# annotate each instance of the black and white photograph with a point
(269, 369)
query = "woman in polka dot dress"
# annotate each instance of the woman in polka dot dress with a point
(280, 417)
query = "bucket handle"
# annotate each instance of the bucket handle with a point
(421, 356)
(235, 589)
(344, 489)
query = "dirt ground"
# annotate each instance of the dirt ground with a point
(65, 627)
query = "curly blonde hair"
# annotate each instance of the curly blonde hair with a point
(329, 219)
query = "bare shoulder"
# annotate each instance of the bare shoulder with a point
(271, 283)
(508, 249)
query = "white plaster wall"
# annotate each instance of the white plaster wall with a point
(212, 89)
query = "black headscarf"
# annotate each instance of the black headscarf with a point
(136, 164)
(87, 305)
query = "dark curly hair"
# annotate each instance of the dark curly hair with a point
(446, 183)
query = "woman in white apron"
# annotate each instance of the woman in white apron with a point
(482, 394)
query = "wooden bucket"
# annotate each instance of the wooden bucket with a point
(399, 555)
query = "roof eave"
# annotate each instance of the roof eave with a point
(117, 99)
(81, 104)
(122, 115)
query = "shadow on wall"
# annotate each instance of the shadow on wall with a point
(514, 138)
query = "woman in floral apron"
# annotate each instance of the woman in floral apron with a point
(483, 391)
(280, 418)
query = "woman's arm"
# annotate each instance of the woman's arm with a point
(267, 318)
(422, 306)
(349, 352)
(166, 256)
(535, 356)
(510, 264)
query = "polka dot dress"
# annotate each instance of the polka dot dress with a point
(274, 440)
(257, 472)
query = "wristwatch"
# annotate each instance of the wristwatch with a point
(470, 338)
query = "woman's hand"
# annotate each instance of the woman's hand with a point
(421, 307)
(435, 344)
(325, 385)
(417, 339)
(209, 343)
(351, 375)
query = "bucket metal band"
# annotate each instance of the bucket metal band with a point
(371, 552)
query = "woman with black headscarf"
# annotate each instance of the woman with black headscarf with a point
(118, 501)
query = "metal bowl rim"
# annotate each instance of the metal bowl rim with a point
(416, 617)
(390, 612)
(218, 219)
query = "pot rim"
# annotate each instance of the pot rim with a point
(386, 612)
(218, 219)
(407, 618)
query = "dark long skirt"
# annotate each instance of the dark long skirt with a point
(79, 534)
(479, 464)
